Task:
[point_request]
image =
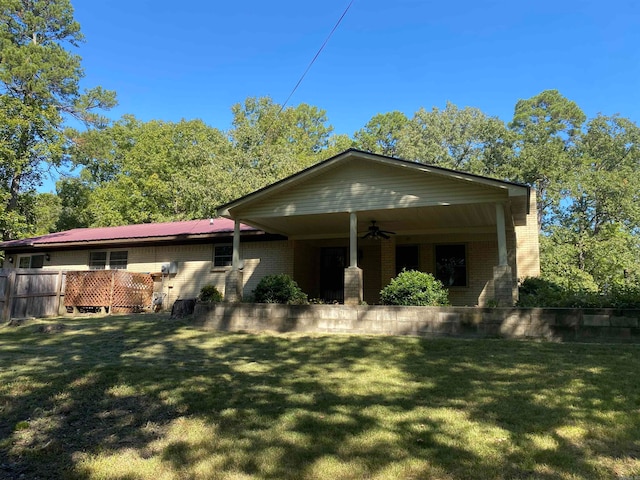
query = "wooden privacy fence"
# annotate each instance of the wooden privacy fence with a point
(35, 292)
(118, 290)
(30, 292)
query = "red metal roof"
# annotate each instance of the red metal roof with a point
(141, 231)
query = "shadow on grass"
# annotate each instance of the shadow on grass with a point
(145, 396)
(568, 411)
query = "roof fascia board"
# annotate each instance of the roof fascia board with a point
(136, 241)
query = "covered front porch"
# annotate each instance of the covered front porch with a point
(471, 232)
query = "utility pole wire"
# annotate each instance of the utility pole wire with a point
(335, 27)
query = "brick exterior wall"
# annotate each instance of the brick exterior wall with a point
(387, 261)
(528, 257)
(195, 265)
(301, 259)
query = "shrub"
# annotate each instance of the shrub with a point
(209, 293)
(279, 289)
(540, 292)
(411, 287)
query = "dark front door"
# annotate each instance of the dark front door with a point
(332, 264)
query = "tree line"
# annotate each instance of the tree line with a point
(585, 170)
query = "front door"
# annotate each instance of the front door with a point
(332, 264)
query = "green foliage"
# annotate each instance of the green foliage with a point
(461, 139)
(541, 292)
(39, 88)
(412, 287)
(136, 172)
(271, 143)
(279, 288)
(74, 195)
(209, 293)
(382, 133)
(47, 208)
(538, 292)
(547, 127)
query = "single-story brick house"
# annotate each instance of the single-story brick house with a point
(341, 228)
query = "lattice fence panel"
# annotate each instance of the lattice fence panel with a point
(88, 289)
(131, 291)
(123, 291)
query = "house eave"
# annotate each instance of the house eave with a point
(227, 210)
(251, 235)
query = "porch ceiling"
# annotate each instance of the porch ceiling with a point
(406, 221)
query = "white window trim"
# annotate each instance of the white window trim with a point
(107, 265)
(30, 257)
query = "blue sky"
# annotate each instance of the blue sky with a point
(194, 59)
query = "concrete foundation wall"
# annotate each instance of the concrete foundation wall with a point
(545, 324)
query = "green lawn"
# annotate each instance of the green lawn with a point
(149, 397)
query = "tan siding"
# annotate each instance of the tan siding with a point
(357, 187)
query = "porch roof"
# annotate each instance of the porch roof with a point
(402, 196)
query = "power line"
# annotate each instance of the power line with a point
(335, 27)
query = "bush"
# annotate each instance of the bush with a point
(540, 292)
(279, 289)
(411, 287)
(209, 293)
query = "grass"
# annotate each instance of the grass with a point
(146, 397)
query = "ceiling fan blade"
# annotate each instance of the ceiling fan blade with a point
(387, 232)
(384, 235)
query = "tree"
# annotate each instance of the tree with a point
(74, 195)
(461, 139)
(382, 133)
(39, 91)
(137, 172)
(271, 143)
(547, 127)
(597, 227)
(603, 190)
(46, 212)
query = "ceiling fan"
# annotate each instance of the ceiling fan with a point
(375, 233)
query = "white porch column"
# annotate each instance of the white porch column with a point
(353, 239)
(352, 274)
(235, 259)
(504, 288)
(233, 280)
(502, 235)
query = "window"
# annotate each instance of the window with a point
(98, 260)
(32, 261)
(37, 261)
(222, 255)
(407, 258)
(117, 260)
(451, 265)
